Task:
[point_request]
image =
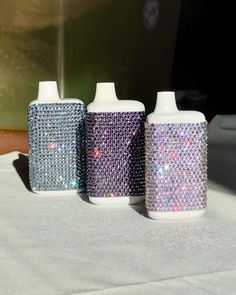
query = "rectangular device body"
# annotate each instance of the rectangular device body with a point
(56, 134)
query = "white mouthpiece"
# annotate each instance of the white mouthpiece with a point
(165, 102)
(105, 92)
(48, 91)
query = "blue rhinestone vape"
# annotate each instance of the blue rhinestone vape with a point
(56, 136)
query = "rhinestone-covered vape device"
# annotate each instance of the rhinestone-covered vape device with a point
(56, 135)
(176, 161)
(115, 148)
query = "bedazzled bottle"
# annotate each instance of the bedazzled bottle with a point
(176, 161)
(56, 134)
(115, 148)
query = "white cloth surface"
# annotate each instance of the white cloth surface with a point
(66, 246)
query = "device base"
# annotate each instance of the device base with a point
(117, 201)
(175, 215)
(58, 193)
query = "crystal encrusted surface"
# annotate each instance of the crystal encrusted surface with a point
(176, 167)
(115, 154)
(56, 146)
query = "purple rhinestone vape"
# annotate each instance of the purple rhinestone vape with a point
(176, 161)
(115, 150)
(56, 135)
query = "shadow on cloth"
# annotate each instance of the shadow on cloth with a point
(140, 209)
(222, 150)
(222, 167)
(22, 168)
(84, 197)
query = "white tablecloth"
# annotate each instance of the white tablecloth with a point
(64, 245)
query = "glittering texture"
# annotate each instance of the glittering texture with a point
(56, 146)
(115, 154)
(176, 167)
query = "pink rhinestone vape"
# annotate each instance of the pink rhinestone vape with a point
(176, 161)
(115, 148)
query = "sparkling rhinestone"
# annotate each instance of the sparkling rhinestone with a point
(56, 146)
(115, 154)
(180, 184)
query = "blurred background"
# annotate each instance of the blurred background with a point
(144, 46)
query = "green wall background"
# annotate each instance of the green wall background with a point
(107, 41)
